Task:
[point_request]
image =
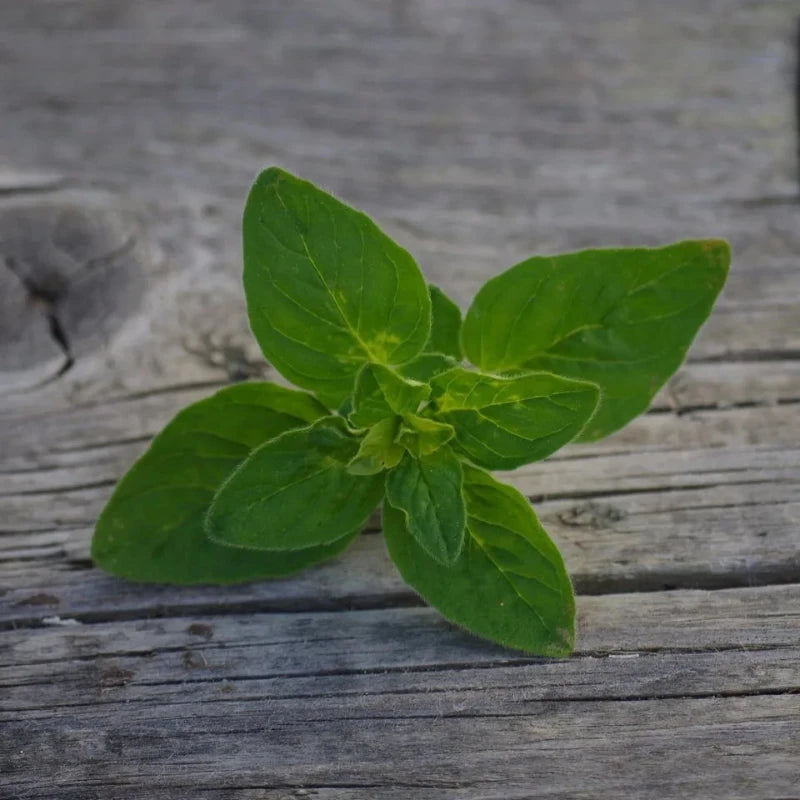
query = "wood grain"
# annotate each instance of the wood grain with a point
(314, 699)
(476, 134)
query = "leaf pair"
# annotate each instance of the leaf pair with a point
(260, 481)
(509, 583)
(152, 529)
(621, 318)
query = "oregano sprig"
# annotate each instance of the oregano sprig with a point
(259, 481)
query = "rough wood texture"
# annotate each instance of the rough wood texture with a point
(476, 134)
(348, 703)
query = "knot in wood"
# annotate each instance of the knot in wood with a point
(70, 274)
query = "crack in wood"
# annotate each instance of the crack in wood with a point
(589, 494)
(746, 356)
(585, 585)
(45, 299)
(444, 666)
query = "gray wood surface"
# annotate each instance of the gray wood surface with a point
(476, 134)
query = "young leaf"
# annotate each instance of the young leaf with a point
(445, 335)
(422, 436)
(152, 527)
(327, 290)
(622, 319)
(427, 492)
(443, 349)
(426, 365)
(380, 392)
(504, 422)
(295, 492)
(509, 584)
(378, 450)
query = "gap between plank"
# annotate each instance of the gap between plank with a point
(370, 602)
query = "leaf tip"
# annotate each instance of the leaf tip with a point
(271, 175)
(719, 250)
(563, 643)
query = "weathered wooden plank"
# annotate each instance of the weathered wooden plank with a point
(158, 685)
(731, 747)
(275, 644)
(123, 432)
(610, 544)
(692, 521)
(185, 350)
(70, 485)
(208, 357)
(31, 438)
(320, 695)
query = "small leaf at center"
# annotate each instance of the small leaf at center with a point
(295, 492)
(380, 392)
(427, 491)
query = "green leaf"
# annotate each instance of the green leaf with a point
(295, 492)
(622, 319)
(509, 584)
(443, 349)
(504, 422)
(422, 436)
(445, 335)
(327, 290)
(380, 392)
(426, 365)
(378, 450)
(427, 492)
(152, 527)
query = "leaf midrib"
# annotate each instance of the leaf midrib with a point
(546, 350)
(552, 631)
(322, 280)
